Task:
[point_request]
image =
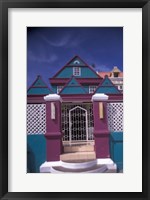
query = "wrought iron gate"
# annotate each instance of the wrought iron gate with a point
(77, 122)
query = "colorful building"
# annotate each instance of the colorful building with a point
(116, 76)
(81, 114)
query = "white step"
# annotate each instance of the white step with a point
(94, 169)
(95, 166)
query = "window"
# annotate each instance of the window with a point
(92, 89)
(76, 62)
(116, 74)
(59, 88)
(76, 71)
(120, 87)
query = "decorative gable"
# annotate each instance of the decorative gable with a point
(73, 82)
(39, 87)
(76, 61)
(76, 67)
(107, 87)
(39, 83)
(107, 82)
(73, 87)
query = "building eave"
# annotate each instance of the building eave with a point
(62, 81)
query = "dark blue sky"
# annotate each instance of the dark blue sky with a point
(50, 48)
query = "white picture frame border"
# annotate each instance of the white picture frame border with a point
(131, 21)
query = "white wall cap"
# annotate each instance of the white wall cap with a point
(52, 97)
(100, 97)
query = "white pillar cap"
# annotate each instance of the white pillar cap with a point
(52, 97)
(100, 97)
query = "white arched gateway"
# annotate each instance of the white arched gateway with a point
(77, 122)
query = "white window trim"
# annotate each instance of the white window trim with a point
(58, 88)
(119, 87)
(90, 88)
(76, 62)
(79, 71)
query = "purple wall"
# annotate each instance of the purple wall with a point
(53, 132)
(53, 126)
(101, 133)
(82, 97)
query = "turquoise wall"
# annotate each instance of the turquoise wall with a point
(107, 90)
(86, 72)
(54, 88)
(36, 152)
(116, 148)
(39, 82)
(38, 91)
(73, 90)
(86, 87)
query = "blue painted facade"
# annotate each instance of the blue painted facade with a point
(116, 148)
(86, 72)
(54, 88)
(73, 90)
(73, 87)
(107, 90)
(39, 91)
(86, 88)
(107, 87)
(68, 71)
(36, 152)
(39, 88)
(39, 82)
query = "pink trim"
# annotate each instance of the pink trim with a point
(36, 95)
(115, 97)
(65, 98)
(61, 81)
(89, 81)
(37, 99)
(88, 97)
(77, 95)
(75, 98)
(80, 97)
(76, 56)
(39, 87)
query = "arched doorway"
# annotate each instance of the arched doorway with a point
(78, 124)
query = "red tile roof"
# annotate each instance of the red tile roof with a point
(109, 74)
